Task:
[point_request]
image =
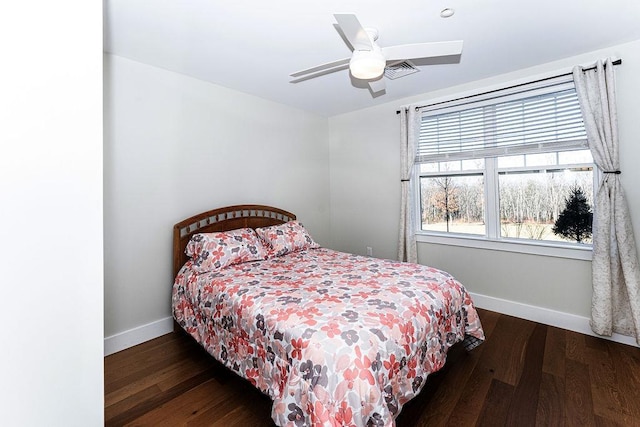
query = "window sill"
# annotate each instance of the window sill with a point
(532, 248)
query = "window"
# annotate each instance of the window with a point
(507, 167)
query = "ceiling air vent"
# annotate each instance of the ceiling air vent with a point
(400, 69)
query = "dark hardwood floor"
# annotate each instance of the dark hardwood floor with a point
(525, 374)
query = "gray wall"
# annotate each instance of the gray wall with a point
(176, 146)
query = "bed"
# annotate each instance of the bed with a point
(334, 339)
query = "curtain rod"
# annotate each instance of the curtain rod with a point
(616, 62)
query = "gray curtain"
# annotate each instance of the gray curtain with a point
(409, 125)
(616, 275)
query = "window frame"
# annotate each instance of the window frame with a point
(492, 239)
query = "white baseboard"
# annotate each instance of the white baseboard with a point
(545, 316)
(135, 336)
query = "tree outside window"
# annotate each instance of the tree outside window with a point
(575, 221)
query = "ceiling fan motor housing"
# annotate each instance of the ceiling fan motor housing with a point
(367, 64)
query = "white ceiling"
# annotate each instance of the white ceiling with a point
(252, 46)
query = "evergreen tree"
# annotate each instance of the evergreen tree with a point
(575, 221)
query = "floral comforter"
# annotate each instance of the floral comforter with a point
(334, 339)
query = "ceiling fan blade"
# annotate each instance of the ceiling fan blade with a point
(422, 50)
(353, 31)
(376, 86)
(319, 73)
(321, 67)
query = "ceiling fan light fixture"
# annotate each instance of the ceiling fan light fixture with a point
(367, 64)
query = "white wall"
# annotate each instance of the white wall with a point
(364, 169)
(365, 181)
(51, 214)
(176, 146)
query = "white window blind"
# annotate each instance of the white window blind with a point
(508, 125)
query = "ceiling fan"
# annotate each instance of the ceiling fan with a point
(369, 60)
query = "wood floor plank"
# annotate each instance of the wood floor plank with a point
(575, 346)
(159, 399)
(578, 400)
(150, 361)
(626, 366)
(550, 411)
(496, 406)
(524, 403)
(472, 397)
(130, 401)
(605, 422)
(574, 380)
(512, 333)
(595, 343)
(117, 360)
(554, 352)
(616, 418)
(164, 379)
(604, 386)
(254, 413)
(186, 406)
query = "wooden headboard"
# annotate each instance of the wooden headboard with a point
(223, 219)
